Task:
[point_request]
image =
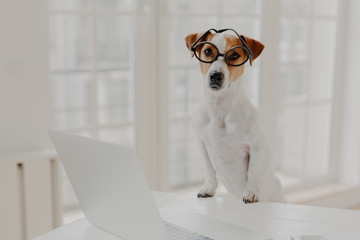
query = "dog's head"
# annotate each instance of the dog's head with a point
(219, 74)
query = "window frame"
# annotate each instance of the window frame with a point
(268, 104)
(93, 71)
(151, 86)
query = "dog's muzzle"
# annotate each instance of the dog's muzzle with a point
(216, 80)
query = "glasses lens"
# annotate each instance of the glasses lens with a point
(206, 52)
(237, 56)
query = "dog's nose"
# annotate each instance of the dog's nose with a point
(216, 77)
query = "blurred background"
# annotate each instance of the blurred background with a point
(119, 70)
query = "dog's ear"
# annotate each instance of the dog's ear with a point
(190, 39)
(255, 46)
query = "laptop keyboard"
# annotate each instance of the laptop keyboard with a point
(178, 233)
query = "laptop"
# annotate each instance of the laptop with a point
(115, 197)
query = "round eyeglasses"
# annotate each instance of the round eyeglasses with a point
(207, 52)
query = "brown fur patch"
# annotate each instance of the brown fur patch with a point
(190, 39)
(255, 46)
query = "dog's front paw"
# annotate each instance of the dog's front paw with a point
(207, 190)
(204, 195)
(249, 197)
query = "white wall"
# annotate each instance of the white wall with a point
(24, 79)
(349, 157)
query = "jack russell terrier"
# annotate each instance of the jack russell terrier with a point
(226, 123)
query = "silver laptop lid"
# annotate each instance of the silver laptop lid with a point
(110, 186)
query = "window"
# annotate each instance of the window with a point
(305, 90)
(92, 67)
(98, 78)
(92, 72)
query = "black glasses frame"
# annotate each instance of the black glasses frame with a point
(242, 39)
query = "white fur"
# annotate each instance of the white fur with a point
(228, 130)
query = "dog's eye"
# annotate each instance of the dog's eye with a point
(234, 56)
(208, 52)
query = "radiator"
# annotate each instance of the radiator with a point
(29, 194)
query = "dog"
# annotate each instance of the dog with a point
(226, 123)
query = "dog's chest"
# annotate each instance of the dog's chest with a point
(224, 144)
(228, 153)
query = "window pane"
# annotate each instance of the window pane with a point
(240, 7)
(119, 5)
(251, 82)
(294, 40)
(295, 7)
(120, 135)
(322, 59)
(71, 90)
(191, 6)
(325, 7)
(70, 42)
(290, 141)
(114, 38)
(248, 27)
(185, 161)
(69, 4)
(317, 164)
(74, 118)
(115, 97)
(186, 91)
(292, 82)
(71, 99)
(307, 55)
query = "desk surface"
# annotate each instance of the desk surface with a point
(274, 218)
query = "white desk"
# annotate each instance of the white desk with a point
(264, 217)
